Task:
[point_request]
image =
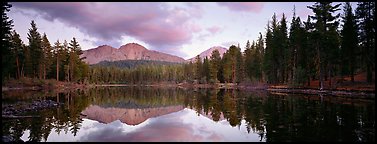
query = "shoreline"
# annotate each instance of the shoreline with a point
(68, 86)
(353, 93)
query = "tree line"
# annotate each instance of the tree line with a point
(317, 49)
(39, 59)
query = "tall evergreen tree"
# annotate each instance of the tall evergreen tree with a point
(47, 58)
(198, 68)
(259, 57)
(268, 56)
(239, 65)
(74, 60)
(324, 35)
(232, 65)
(310, 51)
(6, 27)
(36, 52)
(298, 60)
(65, 61)
(349, 44)
(366, 23)
(248, 60)
(275, 56)
(58, 50)
(206, 70)
(283, 51)
(18, 53)
(214, 65)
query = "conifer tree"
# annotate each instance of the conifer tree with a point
(35, 47)
(17, 47)
(366, 23)
(47, 58)
(6, 28)
(349, 44)
(214, 65)
(325, 37)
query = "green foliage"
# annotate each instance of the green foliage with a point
(36, 53)
(298, 62)
(132, 63)
(143, 74)
(6, 27)
(367, 36)
(206, 69)
(47, 58)
(198, 68)
(18, 58)
(325, 37)
(40, 60)
(349, 42)
(214, 66)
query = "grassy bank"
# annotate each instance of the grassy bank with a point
(40, 84)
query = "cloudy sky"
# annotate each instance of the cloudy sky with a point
(182, 29)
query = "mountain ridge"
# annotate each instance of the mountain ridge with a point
(135, 51)
(129, 51)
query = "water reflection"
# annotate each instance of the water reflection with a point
(126, 115)
(149, 114)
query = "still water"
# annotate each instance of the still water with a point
(155, 114)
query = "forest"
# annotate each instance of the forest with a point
(324, 46)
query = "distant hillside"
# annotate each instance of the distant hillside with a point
(130, 51)
(132, 63)
(208, 53)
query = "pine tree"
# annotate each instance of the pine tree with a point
(232, 65)
(310, 50)
(268, 57)
(298, 60)
(248, 60)
(366, 23)
(324, 35)
(239, 65)
(283, 51)
(65, 61)
(58, 56)
(275, 44)
(47, 55)
(198, 68)
(17, 51)
(36, 52)
(74, 60)
(214, 65)
(6, 27)
(259, 57)
(206, 70)
(349, 42)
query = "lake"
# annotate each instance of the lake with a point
(173, 114)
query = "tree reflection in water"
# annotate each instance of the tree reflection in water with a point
(273, 117)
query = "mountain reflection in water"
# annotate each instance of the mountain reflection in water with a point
(150, 114)
(128, 116)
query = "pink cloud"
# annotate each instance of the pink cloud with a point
(243, 6)
(152, 23)
(214, 29)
